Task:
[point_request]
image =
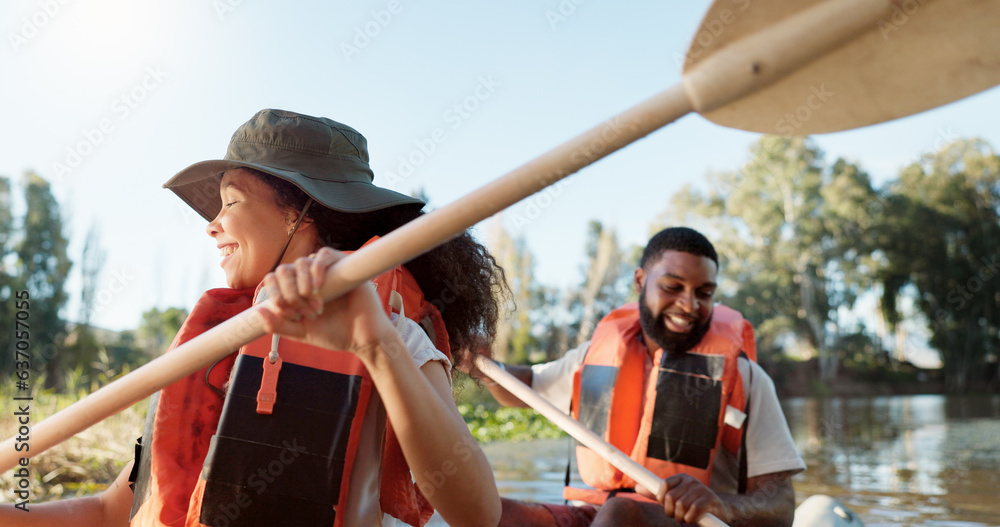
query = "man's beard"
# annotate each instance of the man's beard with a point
(672, 342)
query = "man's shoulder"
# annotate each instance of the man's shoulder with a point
(755, 378)
(753, 366)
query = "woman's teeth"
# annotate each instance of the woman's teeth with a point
(227, 250)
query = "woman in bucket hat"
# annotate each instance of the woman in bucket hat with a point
(291, 432)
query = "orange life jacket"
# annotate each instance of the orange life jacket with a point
(206, 463)
(673, 421)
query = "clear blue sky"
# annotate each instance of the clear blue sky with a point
(171, 81)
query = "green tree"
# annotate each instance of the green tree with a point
(941, 235)
(514, 339)
(555, 339)
(8, 278)
(790, 231)
(158, 328)
(601, 290)
(43, 267)
(91, 262)
(84, 345)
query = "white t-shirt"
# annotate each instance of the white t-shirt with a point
(362, 507)
(769, 442)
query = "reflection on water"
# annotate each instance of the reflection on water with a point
(926, 460)
(529, 471)
(916, 460)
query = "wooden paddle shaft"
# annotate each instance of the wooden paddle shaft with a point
(141, 383)
(609, 452)
(396, 248)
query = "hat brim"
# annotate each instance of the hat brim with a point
(198, 186)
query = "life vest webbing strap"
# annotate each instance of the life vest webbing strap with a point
(141, 475)
(742, 476)
(569, 455)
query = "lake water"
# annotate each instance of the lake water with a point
(926, 460)
(916, 460)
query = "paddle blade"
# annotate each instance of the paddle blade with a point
(891, 59)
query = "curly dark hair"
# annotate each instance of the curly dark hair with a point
(460, 277)
(681, 239)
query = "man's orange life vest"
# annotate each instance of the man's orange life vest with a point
(214, 462)
(671, 421)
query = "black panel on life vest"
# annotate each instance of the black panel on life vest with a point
(142, 489)
(686, 416)
(256, 465)
(597, 384)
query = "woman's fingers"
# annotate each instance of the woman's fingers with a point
(321, 261)
(275, 322)
(283, 288)
(288, 297)
(294, 288)
(305, 286)
(352, 321)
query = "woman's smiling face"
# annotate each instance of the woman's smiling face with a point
(250, 230)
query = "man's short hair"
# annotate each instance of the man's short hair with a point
(681, 239)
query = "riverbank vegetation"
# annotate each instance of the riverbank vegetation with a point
(81, 465)
(488, 421)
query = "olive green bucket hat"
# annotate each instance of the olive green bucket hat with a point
(326, 159)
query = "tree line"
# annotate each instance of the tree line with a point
(801, 240)
(67, 353)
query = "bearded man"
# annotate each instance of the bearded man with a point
(671, 380)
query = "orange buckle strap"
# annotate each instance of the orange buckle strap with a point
(268, 392)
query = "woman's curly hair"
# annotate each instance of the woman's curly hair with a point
(460, 277)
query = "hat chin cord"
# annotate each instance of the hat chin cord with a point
(291, 233)
(272, 357)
